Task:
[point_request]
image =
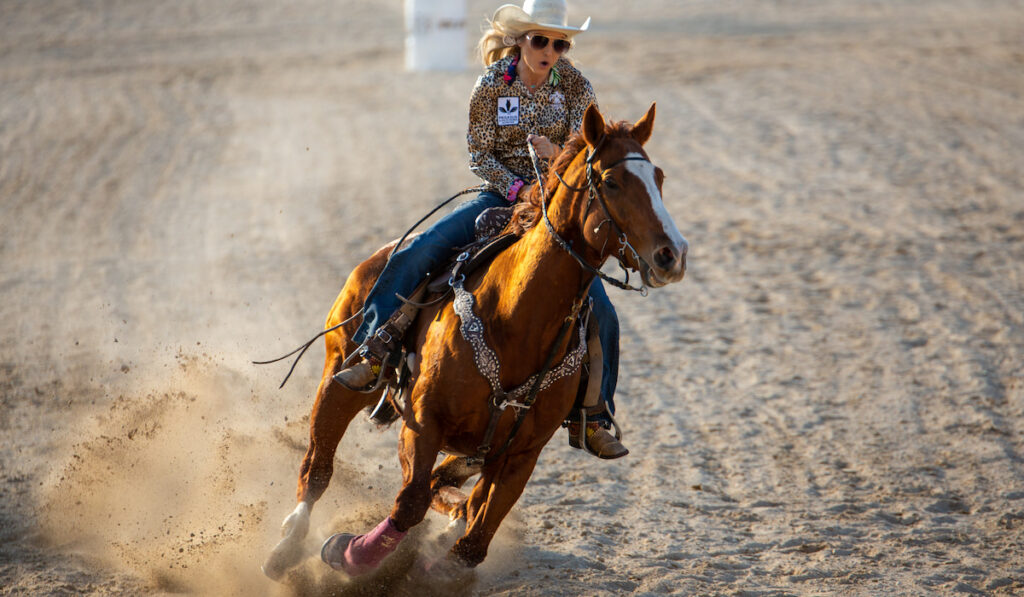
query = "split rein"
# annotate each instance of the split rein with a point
(304, 347)
(593, 192)
(498, 402)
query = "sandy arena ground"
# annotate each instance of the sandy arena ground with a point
(831, 403)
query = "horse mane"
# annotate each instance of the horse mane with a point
(527, 212)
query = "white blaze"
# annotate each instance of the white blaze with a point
(644, 170)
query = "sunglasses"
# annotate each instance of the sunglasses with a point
(539, 42)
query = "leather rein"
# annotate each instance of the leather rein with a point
(499, 399)
(593, 191)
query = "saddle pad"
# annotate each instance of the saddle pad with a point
(492, 221)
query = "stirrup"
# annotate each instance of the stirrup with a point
(380, 353)
(367, 375)
(582, 433)
(385, 413)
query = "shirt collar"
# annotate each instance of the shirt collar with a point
(510, 73)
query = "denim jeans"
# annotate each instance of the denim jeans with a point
(409, 266)
(608, 331)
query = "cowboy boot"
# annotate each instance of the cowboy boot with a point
(594, 434)
(376, 353)
(594, 437)
(364, 375)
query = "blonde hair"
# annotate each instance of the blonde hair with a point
(492, 44)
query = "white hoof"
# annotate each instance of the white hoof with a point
(285, 556)
(289, 552)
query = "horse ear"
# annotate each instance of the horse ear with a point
(593, 125)
(643, 127)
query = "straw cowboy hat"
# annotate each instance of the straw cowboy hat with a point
(549, 15)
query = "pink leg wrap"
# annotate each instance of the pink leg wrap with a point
(365, 552)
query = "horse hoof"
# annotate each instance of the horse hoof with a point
(285, 556)
(450, 501)
(333, 551)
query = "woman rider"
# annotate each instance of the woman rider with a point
(529, 93)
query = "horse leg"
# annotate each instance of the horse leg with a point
(333, 410)
(445, 484)
(418, 450)
(492, 499)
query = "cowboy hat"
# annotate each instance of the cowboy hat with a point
(549, 15)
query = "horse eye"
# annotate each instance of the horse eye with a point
(611, 184)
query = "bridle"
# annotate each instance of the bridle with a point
(499, 400)
(593, 190)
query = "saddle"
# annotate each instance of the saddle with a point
(439, 284)
(488, 243)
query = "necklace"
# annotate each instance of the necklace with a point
(519, 71)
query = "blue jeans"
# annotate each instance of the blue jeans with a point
(608, 331)
(409, 266)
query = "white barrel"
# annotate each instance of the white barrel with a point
(435, 34)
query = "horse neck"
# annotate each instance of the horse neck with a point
(566, 211)
(538, 280)
(527, 293)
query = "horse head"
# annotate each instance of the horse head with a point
(625, 216)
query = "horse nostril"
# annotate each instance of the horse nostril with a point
(665, 258)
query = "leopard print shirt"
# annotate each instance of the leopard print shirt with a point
(503, 112)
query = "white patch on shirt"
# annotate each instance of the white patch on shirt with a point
(508, 111)
(644, 170)
(557, 100)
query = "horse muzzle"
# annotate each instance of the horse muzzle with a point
(667, 264)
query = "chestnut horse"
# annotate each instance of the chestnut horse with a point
(523, 298)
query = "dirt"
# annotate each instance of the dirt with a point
(831, 403)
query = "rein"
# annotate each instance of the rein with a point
(304, 347)
(593, 191)
(499, 400)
